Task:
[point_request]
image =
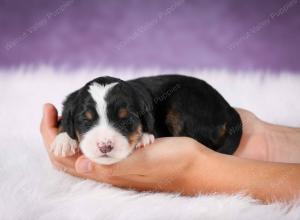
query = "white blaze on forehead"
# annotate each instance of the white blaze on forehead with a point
(98, 93)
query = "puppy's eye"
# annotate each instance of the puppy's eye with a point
(123, 113)
(88, 115)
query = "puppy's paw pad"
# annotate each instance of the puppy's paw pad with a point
(63, 145)
(146, 140)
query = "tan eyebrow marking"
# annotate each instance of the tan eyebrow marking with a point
(88, 115)
(135, 136)
(123, 113)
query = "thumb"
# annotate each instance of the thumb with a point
(83, 165)
(89, 169)
(102, 173)
(48, 126)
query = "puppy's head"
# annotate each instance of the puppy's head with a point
(107, 116)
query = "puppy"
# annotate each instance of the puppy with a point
(108, 118)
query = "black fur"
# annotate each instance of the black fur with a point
(169, 105)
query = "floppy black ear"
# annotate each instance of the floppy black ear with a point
(69, 107)
(146, 112)
(147, 118)
(144, 101)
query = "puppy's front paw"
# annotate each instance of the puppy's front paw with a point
(145, 140)
(63, 145)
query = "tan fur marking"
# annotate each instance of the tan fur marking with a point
(223, 130)
(134, 137)
(88, 115)
(173, 122)
(123, 113)
(60, 129)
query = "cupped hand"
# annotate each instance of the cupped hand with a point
(162, 166)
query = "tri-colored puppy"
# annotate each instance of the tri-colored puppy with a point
(108, 118)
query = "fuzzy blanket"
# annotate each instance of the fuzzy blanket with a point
(30, 188)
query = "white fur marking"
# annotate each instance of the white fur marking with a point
(103, 131)
(98, 93)
(63, 145)
(145, 140)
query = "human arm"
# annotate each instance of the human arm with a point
(182, 165)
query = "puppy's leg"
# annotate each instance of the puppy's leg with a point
(63, 145)
(146, 139)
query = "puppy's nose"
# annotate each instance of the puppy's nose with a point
(105, 147)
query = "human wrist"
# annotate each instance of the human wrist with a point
(212, 172)
(198, 175)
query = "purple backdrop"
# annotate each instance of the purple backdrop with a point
(169, 34)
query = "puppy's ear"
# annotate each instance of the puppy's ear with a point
(146, 115)
(69, 107)
(148, 120)
(145, 106)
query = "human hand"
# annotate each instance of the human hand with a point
(162, 166)
(253, 144)
(182, 165)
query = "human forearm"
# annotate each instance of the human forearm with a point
(283, 143)
(228, 174)
(268, 142)
(182, 165)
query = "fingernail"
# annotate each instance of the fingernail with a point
(84, 166)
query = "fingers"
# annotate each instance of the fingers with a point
(48, 128)
(138, 163)
(85, 168)
(48, 125)
(83, 165)
(123, 169)
(50, 114)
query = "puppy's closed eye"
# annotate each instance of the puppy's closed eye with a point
(123, 113)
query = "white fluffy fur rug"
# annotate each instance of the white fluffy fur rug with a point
(30, 188)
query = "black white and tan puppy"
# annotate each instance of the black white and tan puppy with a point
(108, 118)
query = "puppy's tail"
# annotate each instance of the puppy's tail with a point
(234, 130)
